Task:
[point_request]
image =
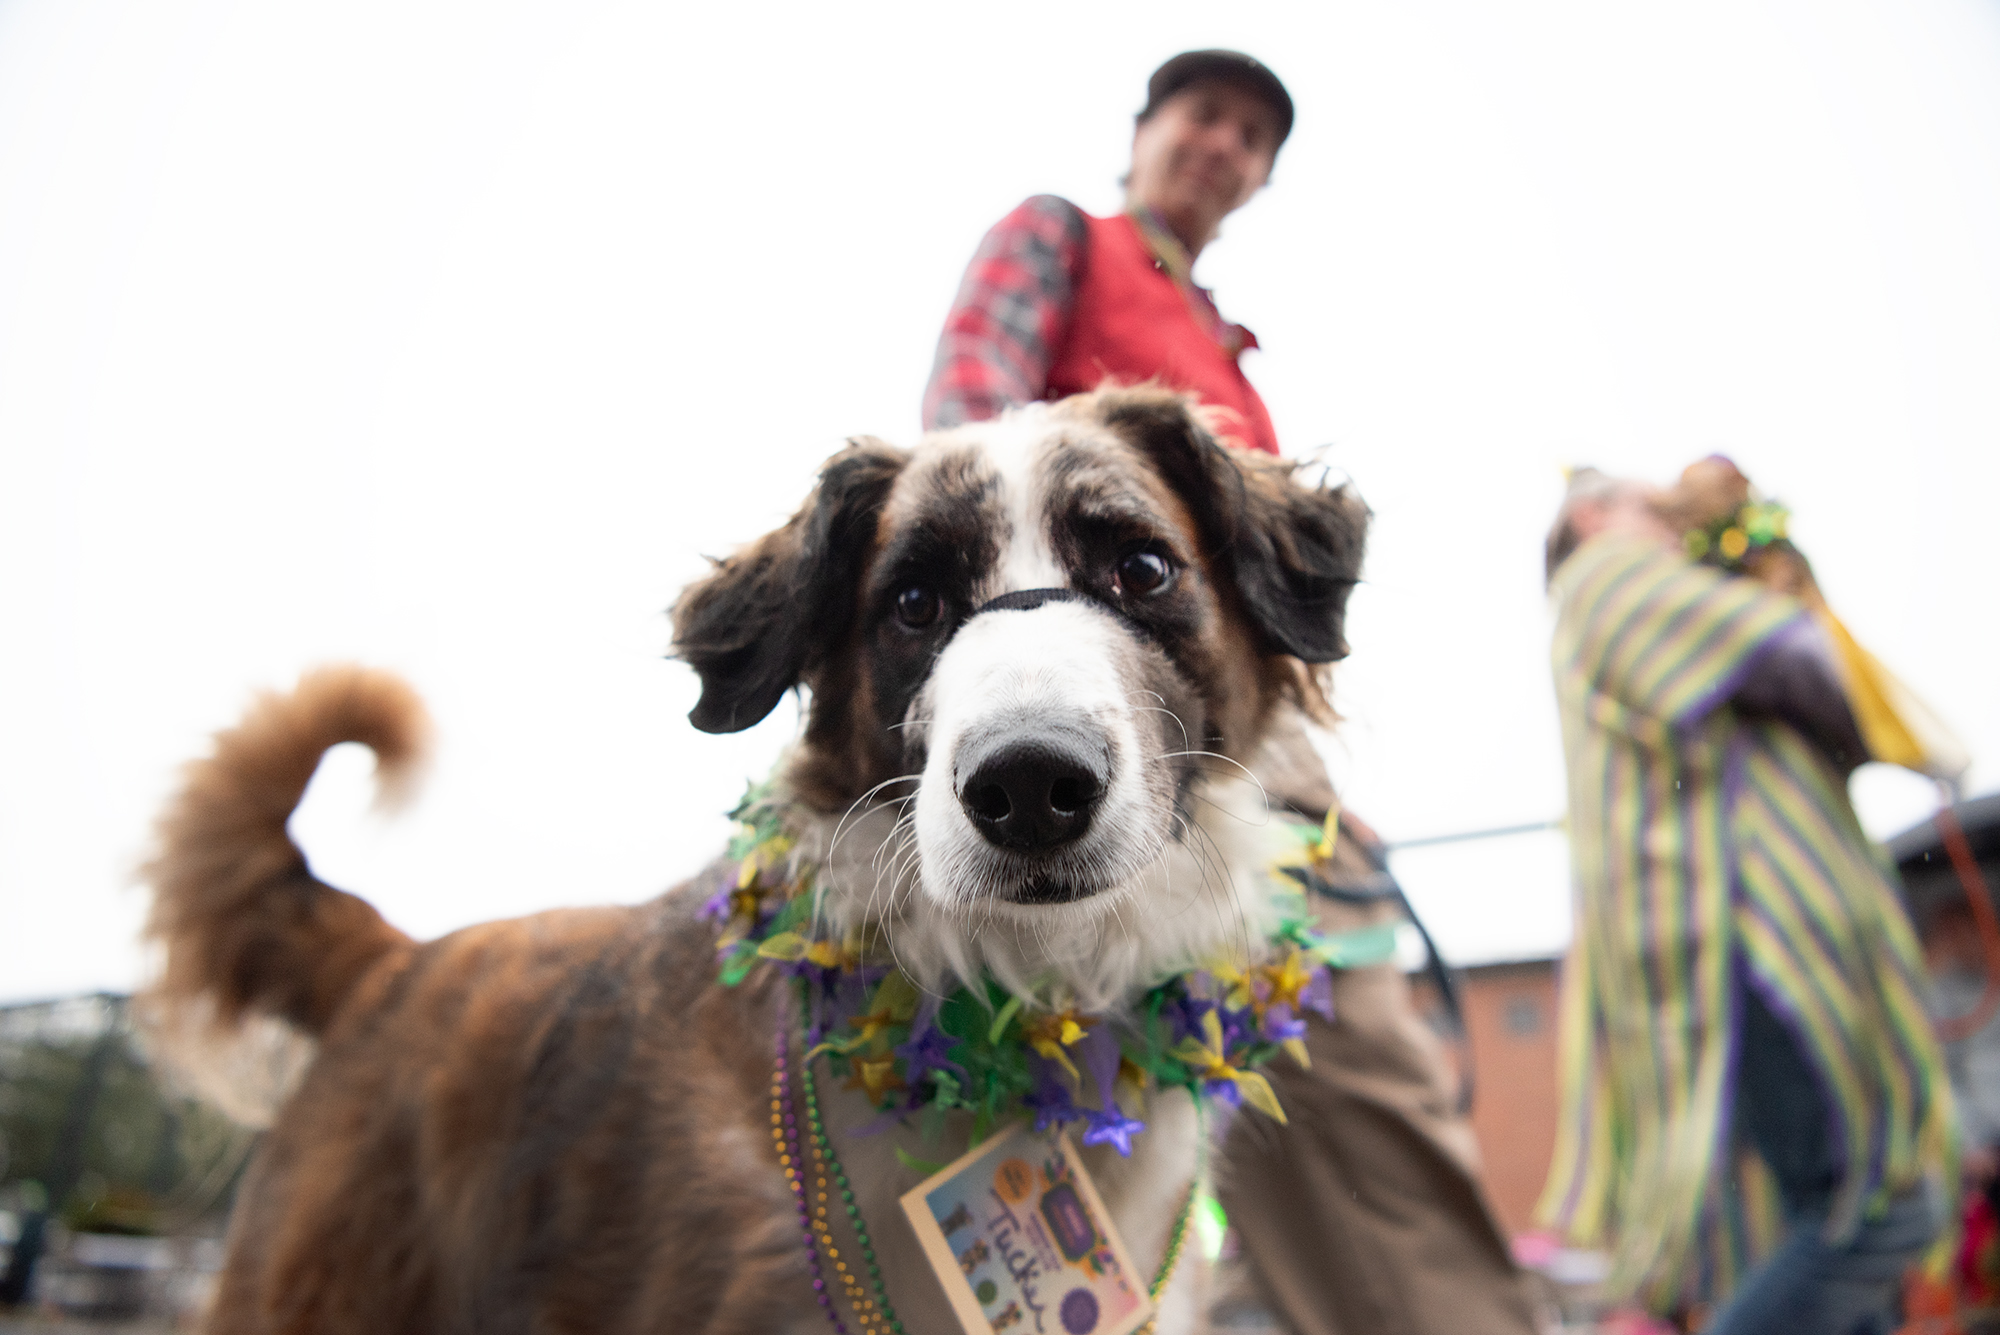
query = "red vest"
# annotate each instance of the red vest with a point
(1130, 323)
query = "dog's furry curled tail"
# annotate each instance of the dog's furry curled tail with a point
(248, 930)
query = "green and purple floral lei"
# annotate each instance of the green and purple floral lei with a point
(917, 1056)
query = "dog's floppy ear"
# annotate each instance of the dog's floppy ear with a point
(1293, 551)
(1298, 555)
(760, 623)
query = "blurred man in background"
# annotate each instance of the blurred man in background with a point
(1365, 1216)
(1057, 301)
(1742, 975)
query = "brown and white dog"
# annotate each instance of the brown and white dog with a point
(1039, 653)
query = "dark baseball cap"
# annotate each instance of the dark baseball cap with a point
(1245, 72)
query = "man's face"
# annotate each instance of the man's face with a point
(1201, 155)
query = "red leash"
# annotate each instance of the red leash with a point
(1981, 903)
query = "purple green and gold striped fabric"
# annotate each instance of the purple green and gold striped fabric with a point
(1713, 852)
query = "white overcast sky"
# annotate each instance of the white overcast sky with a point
(447, 337)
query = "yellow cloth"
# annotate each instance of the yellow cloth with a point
(1897, 726)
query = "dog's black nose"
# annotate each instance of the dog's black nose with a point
(1032, 794)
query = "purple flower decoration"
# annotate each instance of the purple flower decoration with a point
(1238, 1027)
(1183, 1014)
(1049, 1100)
(1098, 1054)
(1113, 1127)
(929, 1051)
(822, 979)
(716, 907)
(1279, 1024)
(852, 989)
(1318, 994)
(1224, 1091)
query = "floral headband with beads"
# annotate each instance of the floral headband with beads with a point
(1729, 540)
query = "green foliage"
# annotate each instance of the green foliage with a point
(148, 1161)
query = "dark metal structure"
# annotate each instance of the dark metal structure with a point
(1930, 883)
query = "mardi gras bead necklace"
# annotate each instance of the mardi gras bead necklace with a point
(876, 1314)
(869, 1313)
(982, 1051)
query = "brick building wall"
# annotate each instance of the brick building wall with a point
(1510, 1014)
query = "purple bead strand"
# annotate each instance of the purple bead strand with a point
(785, 1130)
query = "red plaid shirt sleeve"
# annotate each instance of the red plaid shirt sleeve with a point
(1009, 313)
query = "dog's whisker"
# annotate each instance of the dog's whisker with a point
(1215, 883)
(900, 829)
(904, 837)
(1199, 855)
(1160, 709)
(1227, 760)
(1118, 916)
(1214, 862)
(1237, 816)
(839, 828)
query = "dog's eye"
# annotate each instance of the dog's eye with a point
(1142, 573)
(916, 606)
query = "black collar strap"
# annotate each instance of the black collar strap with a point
(1022, 600)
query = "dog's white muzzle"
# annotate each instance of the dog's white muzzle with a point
(1032, 791)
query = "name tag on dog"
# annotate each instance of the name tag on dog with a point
(1022, 1244)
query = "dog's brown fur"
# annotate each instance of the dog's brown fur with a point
(562, 1122)
(496, 1121)
(246, 925)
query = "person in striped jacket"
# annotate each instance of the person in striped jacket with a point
(1755, 1109)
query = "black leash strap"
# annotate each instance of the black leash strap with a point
(1382, 888)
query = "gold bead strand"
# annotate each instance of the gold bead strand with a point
(865, 1314)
